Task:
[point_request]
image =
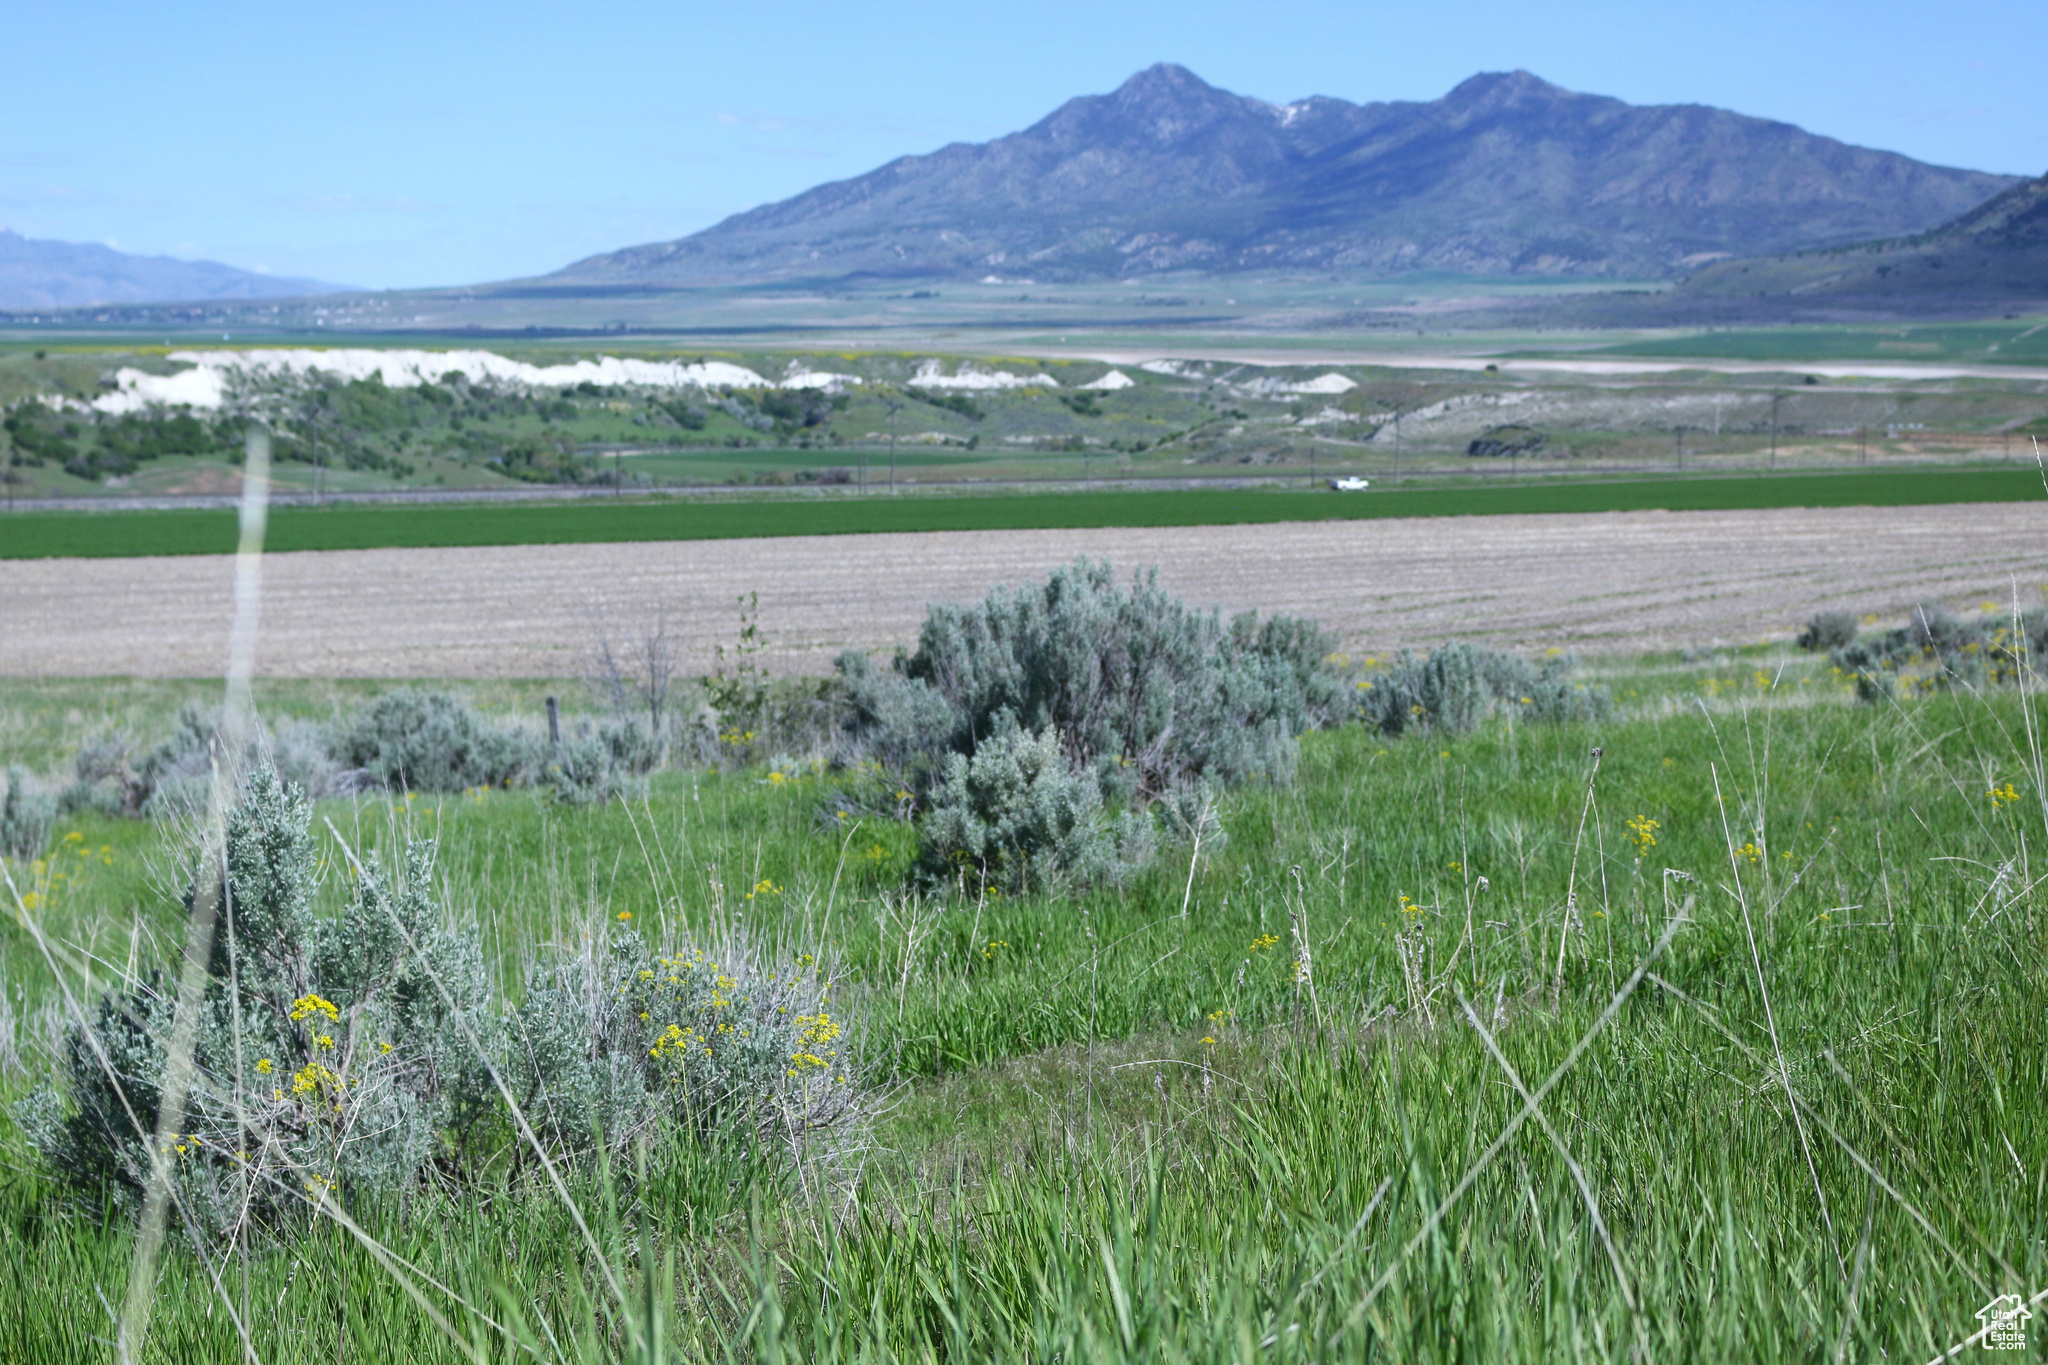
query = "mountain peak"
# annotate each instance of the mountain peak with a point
(1503, 87)
(1174, 93)
(1164, 80)
(1163, 106)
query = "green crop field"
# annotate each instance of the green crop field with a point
(37, 535)
(2013, 341)
(1731, 1045)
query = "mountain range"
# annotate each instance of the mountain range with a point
(1506, 174)
(39, 273)
(1996, 255)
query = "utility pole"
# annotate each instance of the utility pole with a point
(314, 404)
(1776, 399)
(1397, 445)
(895, 405)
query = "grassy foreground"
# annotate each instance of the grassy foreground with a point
(1787, 1047)
(41, 535)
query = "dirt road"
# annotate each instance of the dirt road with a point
(1598, 583)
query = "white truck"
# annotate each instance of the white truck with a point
(1351, 484)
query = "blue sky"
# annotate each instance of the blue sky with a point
(391, 145)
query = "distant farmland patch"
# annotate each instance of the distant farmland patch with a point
(356, 526)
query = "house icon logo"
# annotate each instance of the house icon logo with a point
(2005, 1323)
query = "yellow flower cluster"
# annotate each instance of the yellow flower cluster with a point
(2002, 796)
(306, 1006)
(677, 1042)
(315, 1079)
(1263, 942)
(814, 1032)
(104, 853)
(816, 1029)
(1642, 832)
(1750, 851)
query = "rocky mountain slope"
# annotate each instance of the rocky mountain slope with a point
(41, 273)
(1996, 255)
(1506, 174)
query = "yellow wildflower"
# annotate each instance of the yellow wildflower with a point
(308, 1005)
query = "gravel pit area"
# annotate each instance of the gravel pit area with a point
(1601, 583)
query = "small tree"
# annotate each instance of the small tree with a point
(634, 674)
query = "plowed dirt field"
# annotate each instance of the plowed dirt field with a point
(1600, 583)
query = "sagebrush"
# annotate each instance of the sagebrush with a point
(366, 1056)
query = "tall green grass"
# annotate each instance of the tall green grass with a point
(1125, 1128)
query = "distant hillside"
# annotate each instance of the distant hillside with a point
(38, 273)
(1996, 255)
(1506, 174)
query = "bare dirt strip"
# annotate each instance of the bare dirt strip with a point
(1599, 583)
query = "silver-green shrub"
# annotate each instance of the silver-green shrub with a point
(1936, 649)
(1827, 630)
(1016, 817)
(1141, 690)
(900, 723)
(26, 817)
(409, 740)
(600, 764)
(1457, 685)
(621, 1038)
(332, 1055)
(115, 775)
(353, 1056)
